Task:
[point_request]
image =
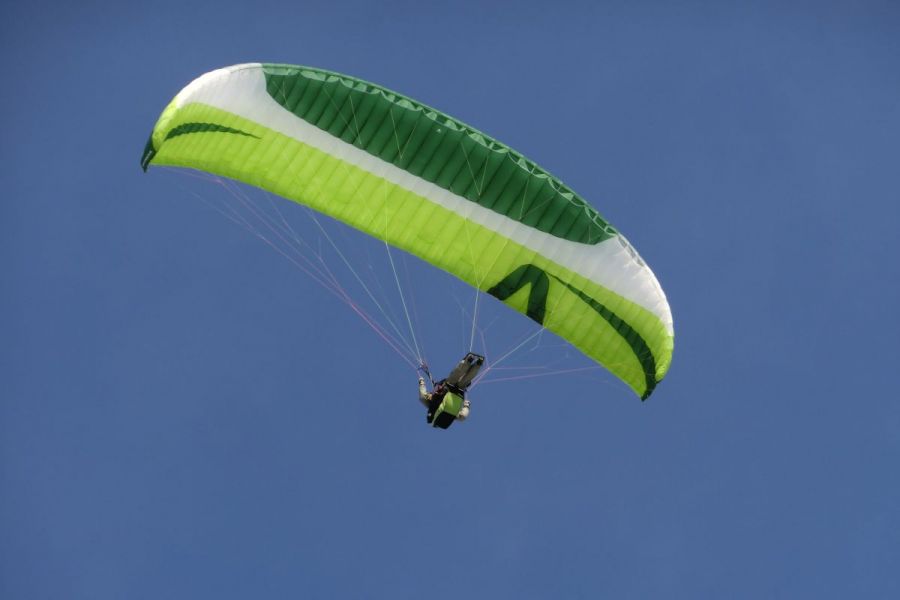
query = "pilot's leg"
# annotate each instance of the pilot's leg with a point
(471, 372)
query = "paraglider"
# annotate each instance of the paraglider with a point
(447, 401)
(435, 187)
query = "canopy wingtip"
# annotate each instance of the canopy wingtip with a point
(149, 153)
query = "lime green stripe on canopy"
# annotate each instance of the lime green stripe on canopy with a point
(261, 125)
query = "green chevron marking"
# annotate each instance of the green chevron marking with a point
(537, 297)
(638, 344)
(537, 307)
(186, 128)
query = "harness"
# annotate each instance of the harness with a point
(446, 402)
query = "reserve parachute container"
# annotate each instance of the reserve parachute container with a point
(428, 184)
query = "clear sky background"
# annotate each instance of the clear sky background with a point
(184, 414)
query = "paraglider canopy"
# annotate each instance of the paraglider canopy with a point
(429, 184)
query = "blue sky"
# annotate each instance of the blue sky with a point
(185, 414)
